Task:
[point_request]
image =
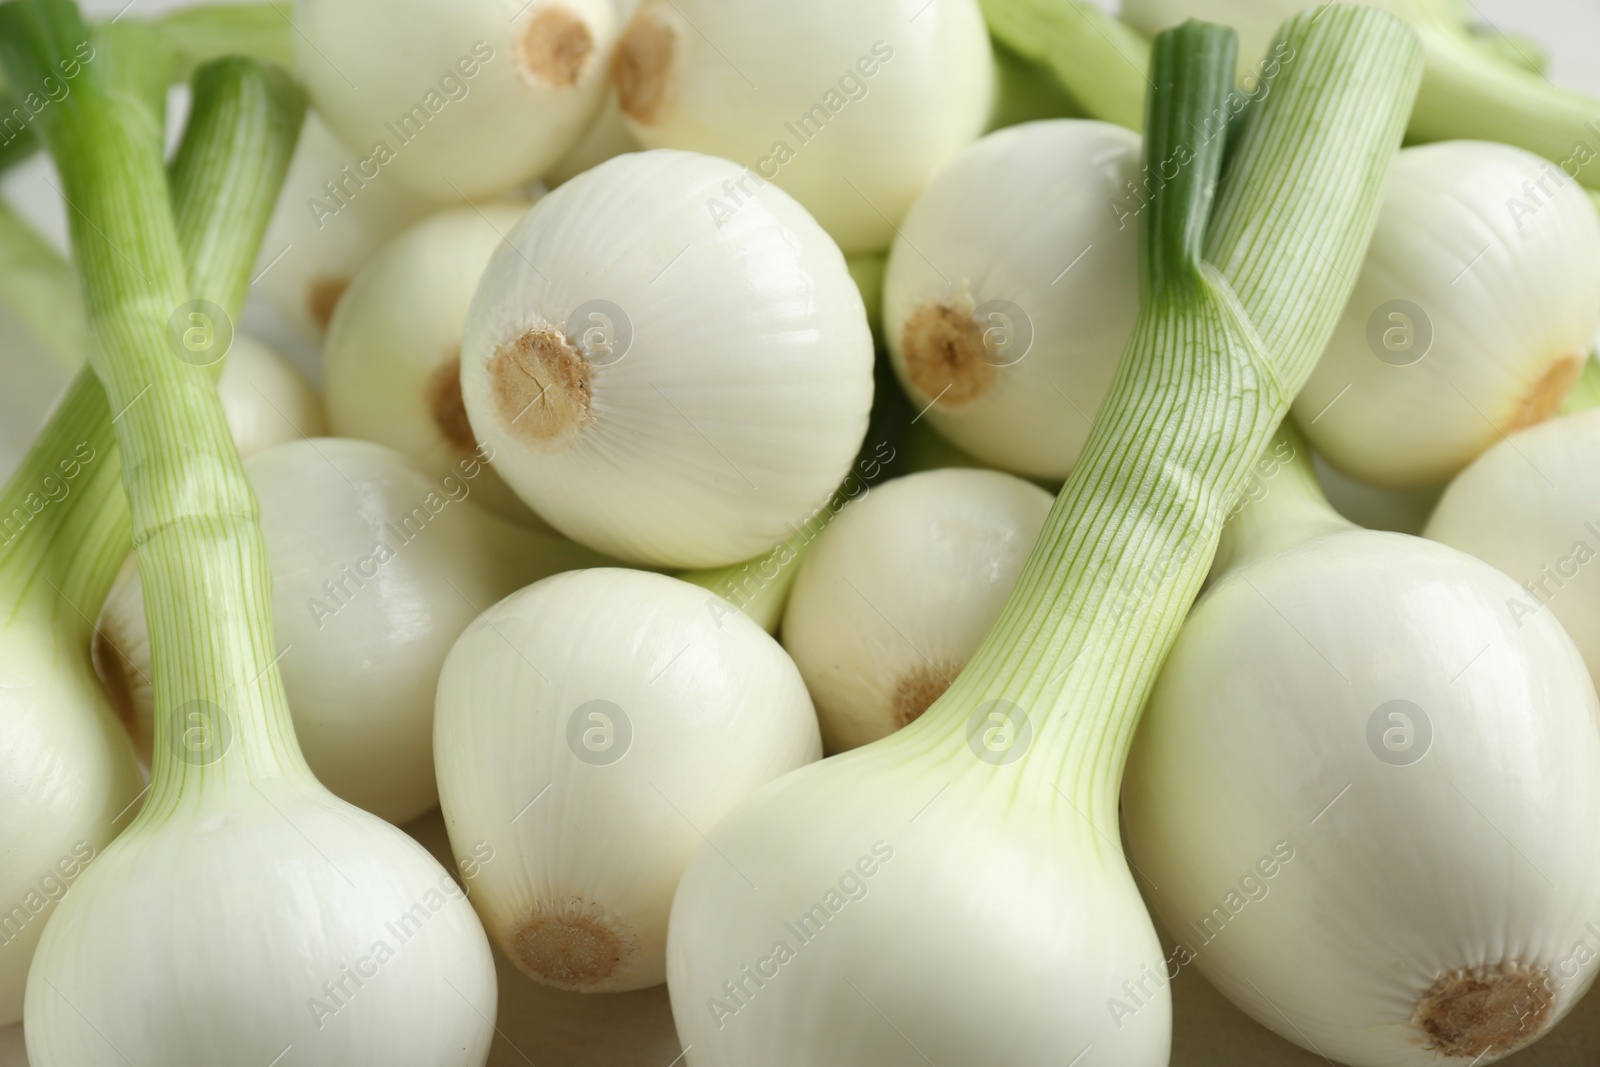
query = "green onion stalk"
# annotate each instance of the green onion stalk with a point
(206, 931)
(167, 49)
(956, 890)
(65, 527)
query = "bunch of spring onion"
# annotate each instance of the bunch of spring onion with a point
(991, 820)
(141, 960)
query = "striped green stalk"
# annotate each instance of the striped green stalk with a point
(1101, 63)
(1468, 94)
(168, 49)
(1234, 313)
(202, 556)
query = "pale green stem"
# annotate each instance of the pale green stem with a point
(202, 555)
(1101, 62)
(760, 587)
(1585, 392)
(1469, 95)
(206, 32)
(1233, 318)
(1026, 91)
(867, 273)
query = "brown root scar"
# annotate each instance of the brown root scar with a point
(541, 386)
(642, 64)
(1544, 399)
(572, 944)
(555, 47)
(918, 689)
(445, 405)
(1491, 1010)
(942, 346)
(323, 299)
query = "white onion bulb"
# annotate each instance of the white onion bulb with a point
(1527, 506)
(68, 780)
(266, 919)
(376, 571)
(589, 728)
(849, 107)
(659, 388)
(898, 591)
(392, 360)
(460, 99)
(266, 401)
(1357, 791)
(1012, 289)
(326, 225)
(1471, 318)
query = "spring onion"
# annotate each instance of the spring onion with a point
(657, 387)
(1527, 507)
(65, 527)
(376, 570)
(455, 100)
(956, 888)
(328, 223)
(1468, 92)
(392, 359)
(909, 84)
(1356, 789)
(1471, 318)
(896, 594)
(313, 880)
(1011, 290)
(589, 728)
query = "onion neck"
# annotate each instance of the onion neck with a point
(1281, 506)
(1216, 356)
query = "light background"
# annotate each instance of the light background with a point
(1208, 1032)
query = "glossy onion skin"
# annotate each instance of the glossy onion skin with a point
(741, 395)
(458, 95)
(1527, 507)
(897, 592)
(208, 937)
(1038, 216)
(850, 107)
(1478, 301)
(68, 780)
(696, 708)
(1271, 734)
